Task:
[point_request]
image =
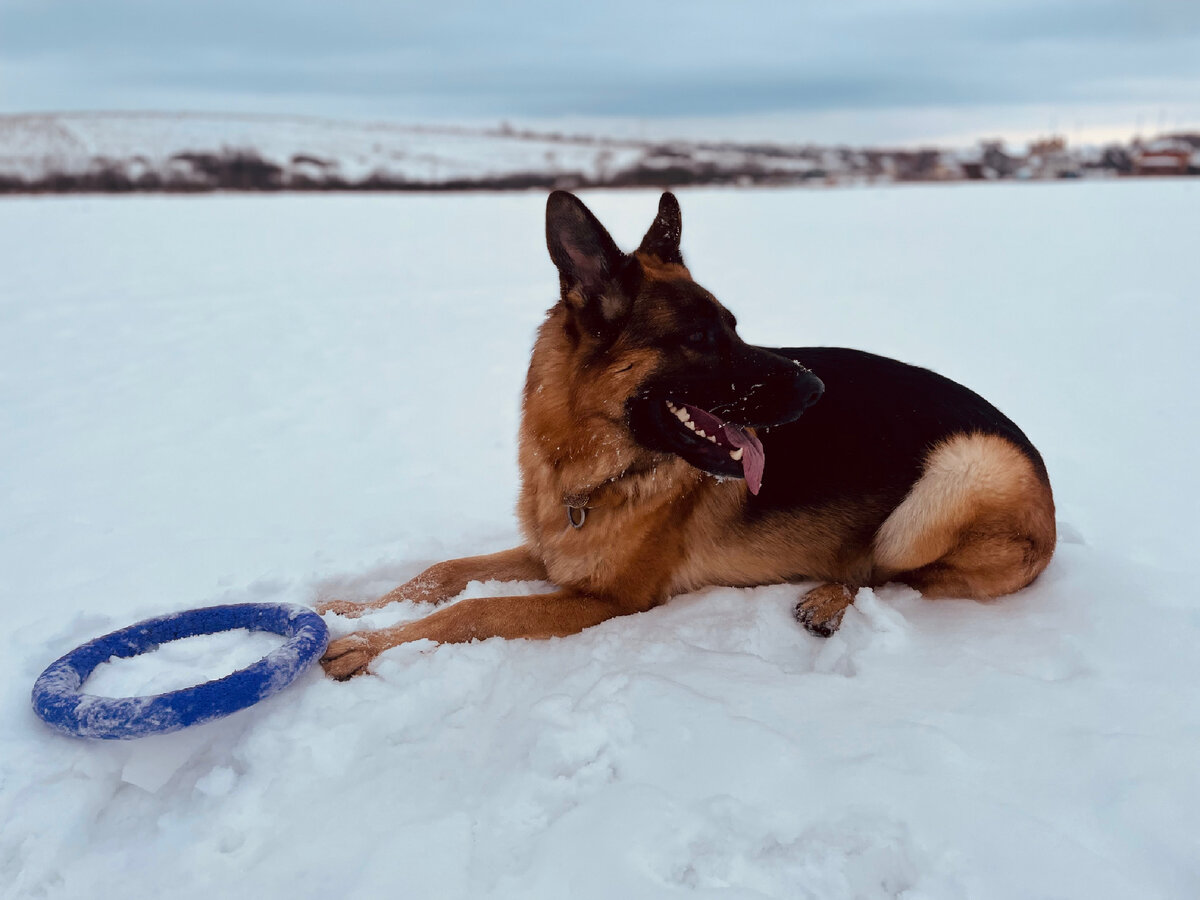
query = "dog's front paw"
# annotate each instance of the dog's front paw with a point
(820, 610)
(346, 608)
(348, 656)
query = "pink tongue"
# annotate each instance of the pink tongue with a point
(753, 458)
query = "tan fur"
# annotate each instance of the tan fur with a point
(980, 512)
(978, 523)
(444, 580)
(657, 270)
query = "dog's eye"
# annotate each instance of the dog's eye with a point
(697, 338)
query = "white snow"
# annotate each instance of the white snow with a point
(181, 664)
(231, 398)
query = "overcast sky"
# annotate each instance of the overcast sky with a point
(857, 70)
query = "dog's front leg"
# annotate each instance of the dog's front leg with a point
(444, 580)
(821, 609)
(538, 616)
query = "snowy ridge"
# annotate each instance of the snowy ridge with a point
(102, 151)
(123, 152)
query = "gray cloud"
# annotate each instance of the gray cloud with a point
(625, 58)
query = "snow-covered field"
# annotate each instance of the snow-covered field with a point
(229, 398)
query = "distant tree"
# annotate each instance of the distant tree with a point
(995, 158)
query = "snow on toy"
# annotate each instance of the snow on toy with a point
(59, 702)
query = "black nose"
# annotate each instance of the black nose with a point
(815, 393)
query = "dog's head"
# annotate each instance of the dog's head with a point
(658, 351)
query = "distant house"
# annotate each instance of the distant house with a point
(1162, 162)
(1171, 154)
(1049, 158)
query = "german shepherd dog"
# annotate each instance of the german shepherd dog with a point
(660, 454)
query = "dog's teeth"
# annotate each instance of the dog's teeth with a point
(736, 455)
(682, 415)
(671, 406)
(711, 437)
(691, 425)
(700, 432)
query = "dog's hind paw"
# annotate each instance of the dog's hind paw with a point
(348, 656)
(820, 610)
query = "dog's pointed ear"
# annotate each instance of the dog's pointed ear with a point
(662, 240)
(586, 257)
(592, 270)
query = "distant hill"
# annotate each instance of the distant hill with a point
(122, 152)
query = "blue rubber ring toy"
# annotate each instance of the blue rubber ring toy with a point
(58, 701)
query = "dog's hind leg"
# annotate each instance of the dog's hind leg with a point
(538, 616)
(820, 610)
(992, 558)
(979, 523)
(444, 580)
